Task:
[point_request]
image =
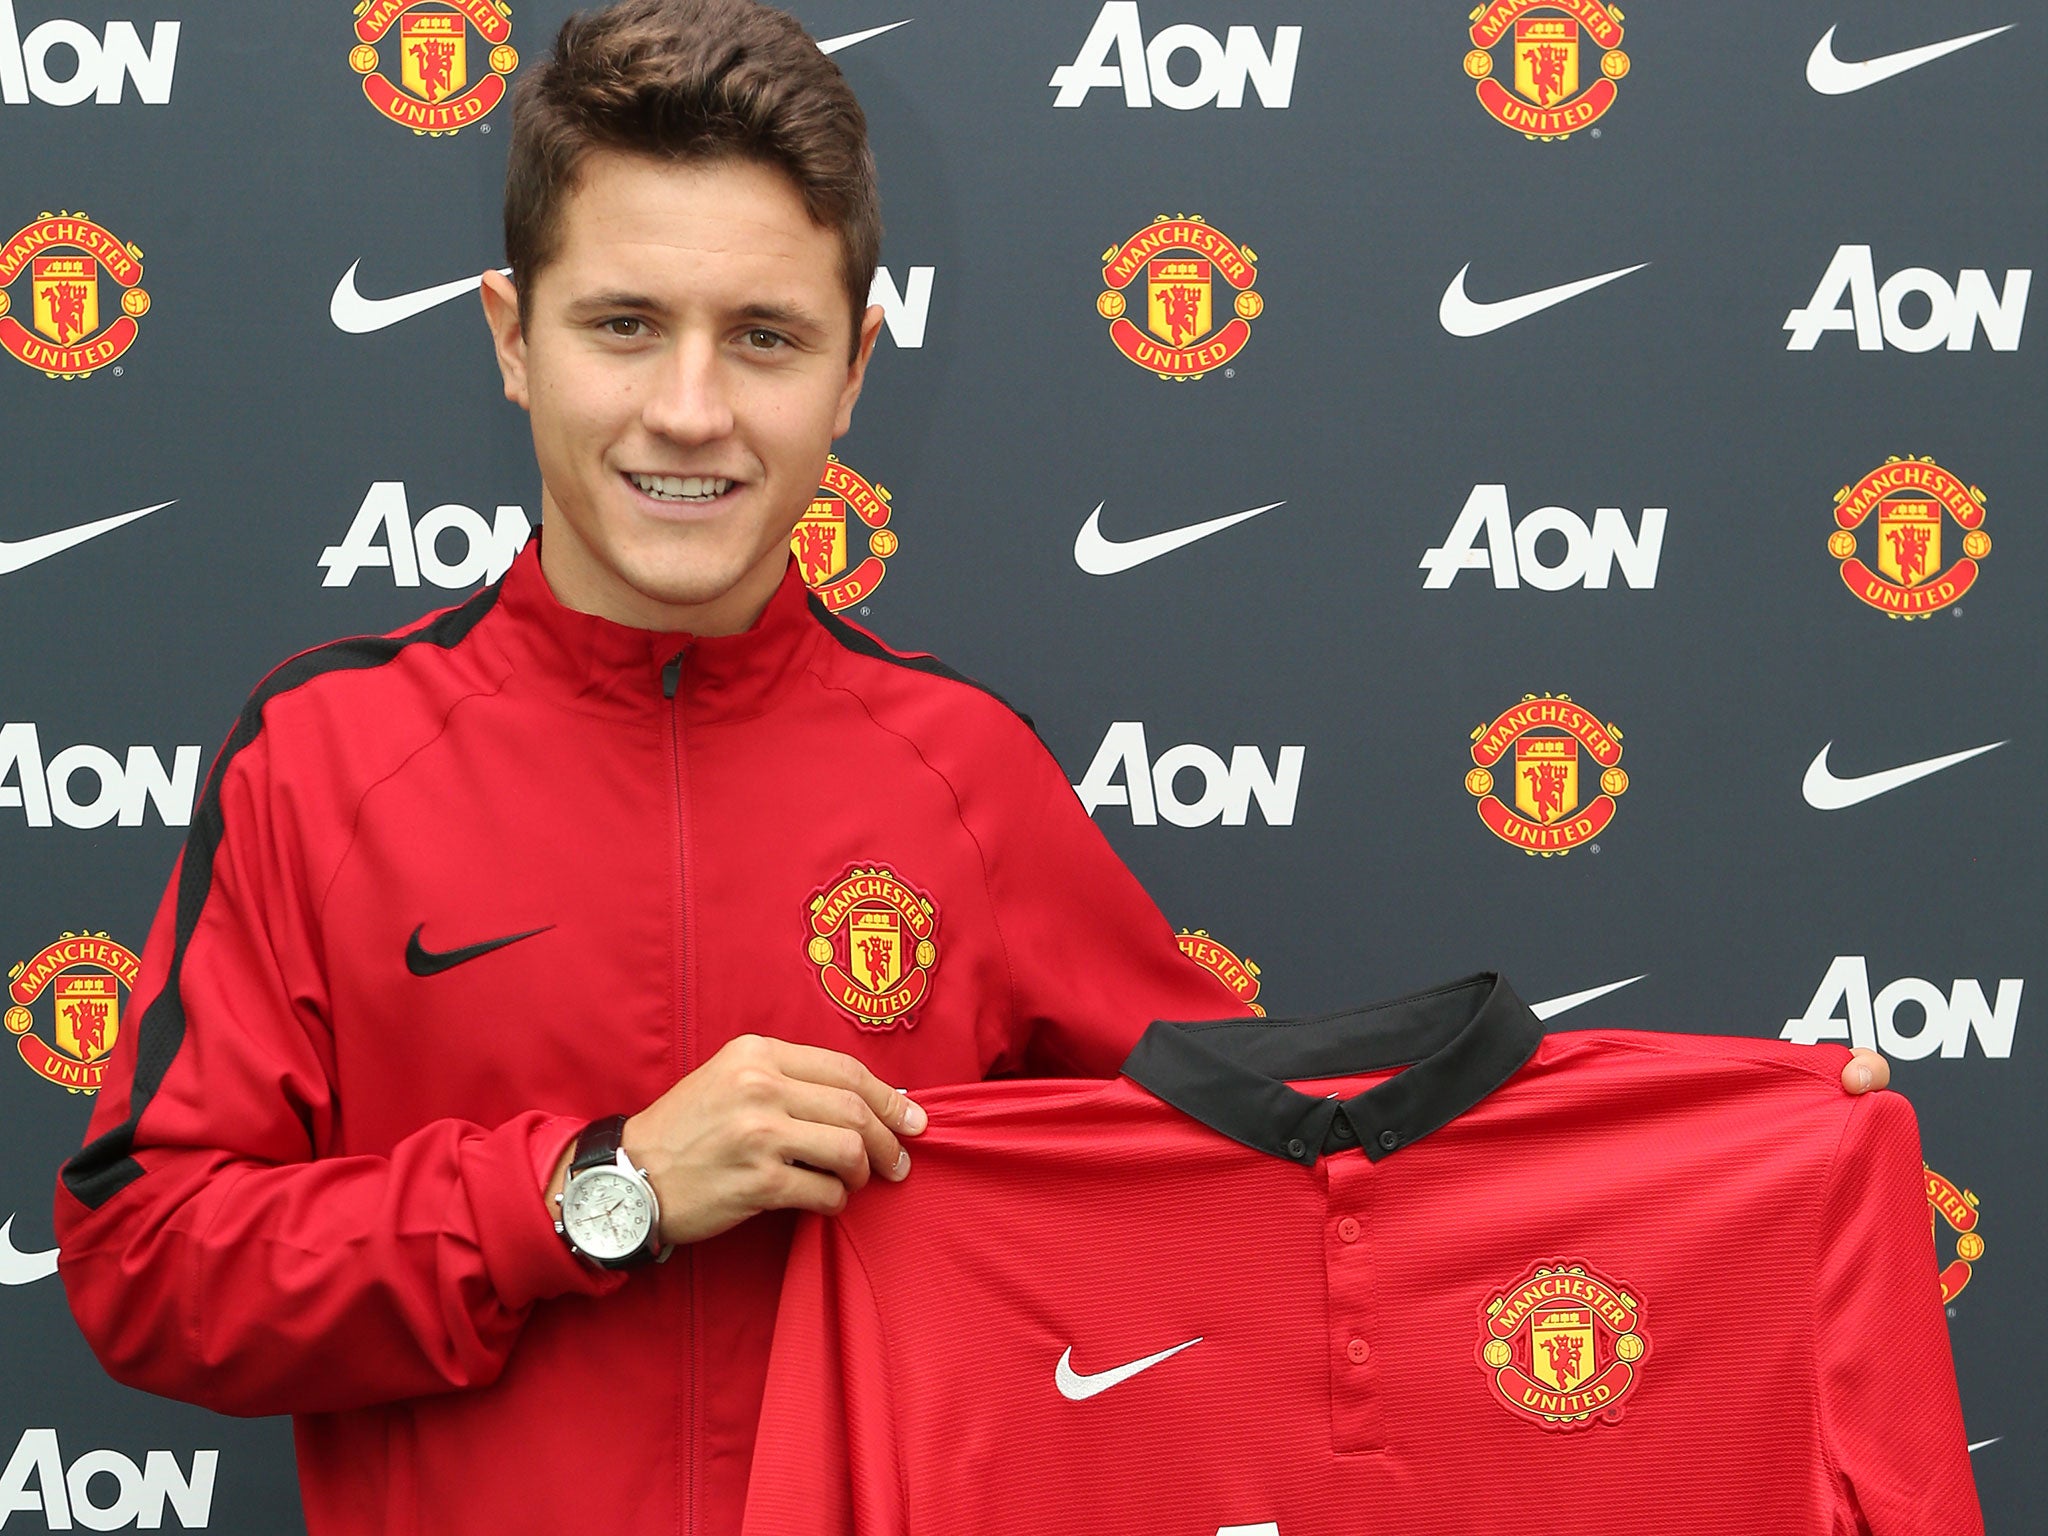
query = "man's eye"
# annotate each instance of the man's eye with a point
(626, 326)
(763, 340)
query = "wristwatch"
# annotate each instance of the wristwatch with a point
(608, 1211)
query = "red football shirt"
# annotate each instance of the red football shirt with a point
(1601, 1282)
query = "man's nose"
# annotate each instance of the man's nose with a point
(690, 400)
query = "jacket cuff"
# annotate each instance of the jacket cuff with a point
(507, 1173)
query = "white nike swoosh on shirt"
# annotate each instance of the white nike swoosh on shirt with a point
(26, 552)
(18, 1268)
(1099, 556)
(1825, 792)
(1462, 316)
(834, 44)
(353, 313)
(1076, 1388)
(1979, 1445)
(1557, 1005)
(1838, 77)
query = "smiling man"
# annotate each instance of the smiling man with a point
(525, 969)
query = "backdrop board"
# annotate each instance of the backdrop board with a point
(1548, 487)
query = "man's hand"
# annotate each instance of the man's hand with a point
(764, 1125)
(1866, 1070)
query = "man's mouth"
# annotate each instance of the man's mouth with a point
(682, 488)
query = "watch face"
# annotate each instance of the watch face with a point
(607, 1214)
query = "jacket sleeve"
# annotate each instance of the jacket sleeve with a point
(1092, 961)
(208, 1249)
(1887, 1389)
(825, 1457)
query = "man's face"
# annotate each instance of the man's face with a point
(685, 362)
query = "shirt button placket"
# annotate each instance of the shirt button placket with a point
(1356, 1420)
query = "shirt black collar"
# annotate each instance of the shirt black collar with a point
(1458, 1043)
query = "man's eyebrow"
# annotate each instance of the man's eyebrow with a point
(795, 316)
(614, 300)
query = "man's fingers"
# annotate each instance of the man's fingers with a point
(1866, 1071)
(802, 1189)
(845, 1108)
(833, 1149)
(892, 1106)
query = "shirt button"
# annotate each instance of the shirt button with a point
(1297, 1148)
(1348, 1230)
(1342, 1130)
(1390, 1139)
(1357, 1351)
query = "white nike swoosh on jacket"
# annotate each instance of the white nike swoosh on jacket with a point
(1076, 1388)
(18, 1268)
(26, 552)
(1099, 556)
(1462, 316)
(358, 316)
(1825, 792)
(1838, 77)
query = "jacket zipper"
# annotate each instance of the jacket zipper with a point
(671, 686)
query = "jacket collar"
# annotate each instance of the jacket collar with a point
(1458, 1043)
(605, 665)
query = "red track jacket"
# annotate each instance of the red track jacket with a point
(452, 893)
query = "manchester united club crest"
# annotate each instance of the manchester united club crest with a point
(1547, 809)
(1957, 1209)
(1548, 48)
(85, 976)
(1913, 500)
(1195, 276)
(84, 295)
(1563, 1346)
(874, 940)
(432, 82)
(1241, 976)
(846, 507)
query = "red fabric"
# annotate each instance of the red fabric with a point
(335, 1207)
(1769, 1230)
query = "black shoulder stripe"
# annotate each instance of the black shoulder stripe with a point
(105, 1166)
(861, 643)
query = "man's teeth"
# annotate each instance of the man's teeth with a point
(682, 487)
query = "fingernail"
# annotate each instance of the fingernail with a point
(914, 1117)
(1863, 1078)
(902, 1165)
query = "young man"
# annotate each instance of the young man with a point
(639, 858)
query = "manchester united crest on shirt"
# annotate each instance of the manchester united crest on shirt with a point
(1198, 298)
(1957, 1208)
(847, 508)
(430, 83)
(874, 940)
(1563, 1346)
(1562, 55)
(75, 321)
(1547, 809)
(1911, 501)
(86, 976)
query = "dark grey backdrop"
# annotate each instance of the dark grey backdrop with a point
(265, 176)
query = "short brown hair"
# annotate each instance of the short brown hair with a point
(691, 80)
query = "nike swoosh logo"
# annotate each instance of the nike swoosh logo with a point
(1838, 77)
(422, 961)
(26, 552)
(1076, 1388)
(1979, 1445)
(834, 44)
(1825, 792)
(18, 1268)
(1462, 316)
(1102, 557)
(353, 313)
(1571, 1000)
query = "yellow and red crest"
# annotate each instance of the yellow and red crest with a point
(822, 539)
(435, 91)
(65, 255)
(1910, 497)
(1546, 43)
(1181, 259)
(874, 940)
(1546, 812)
(1240, 975)
(1958, 1208)
(86, 975)
(1563, 1345)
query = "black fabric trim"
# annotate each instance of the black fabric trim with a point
(105, 1166)
(862, 643)
(1458, 1042)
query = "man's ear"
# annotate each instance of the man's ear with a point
(857, 370)
(508, 335)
